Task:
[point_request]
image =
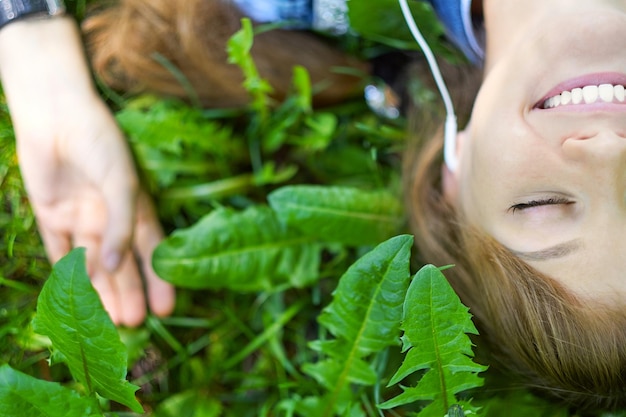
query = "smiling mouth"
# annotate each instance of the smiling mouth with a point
(589, 94)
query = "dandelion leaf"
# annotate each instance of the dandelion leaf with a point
(169, 141)
(25, 396)
(436, 326)
(241, 251)
(339, 214)
(364, 317)
(70, 313)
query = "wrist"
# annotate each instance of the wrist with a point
(42, 53)
(43, 67)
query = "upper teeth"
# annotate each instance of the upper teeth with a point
(587, 95)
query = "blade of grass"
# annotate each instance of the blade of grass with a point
(180, 77)
(264, 337)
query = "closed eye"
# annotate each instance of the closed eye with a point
(540, 202)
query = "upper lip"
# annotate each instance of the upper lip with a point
(614, 78)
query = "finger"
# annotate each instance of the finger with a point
(101, 279)
(54, 222)
(88, 221)
(56, 243)
(120, 193)
(121, 292)
(130, 292)
(112, 173)
(87, 224)
(148, 234)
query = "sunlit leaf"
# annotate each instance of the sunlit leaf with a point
(436, 326)
(364, 317)
(173, 142)
(243, 251)
(24, 396)
(71, 314)
(239, 46)
(339, 214)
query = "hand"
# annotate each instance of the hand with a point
(83, 190)
(77, 167)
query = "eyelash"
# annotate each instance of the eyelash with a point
(537, 203)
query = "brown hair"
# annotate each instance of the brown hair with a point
(533, 328)
(130, 41)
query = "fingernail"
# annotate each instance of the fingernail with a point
(111, 261)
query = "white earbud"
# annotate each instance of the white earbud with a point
(450, 127)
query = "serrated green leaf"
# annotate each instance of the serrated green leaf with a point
(320, 131)
(71, 314)
(239, 46)
(302, 86)
(435, 325)
(326, 371)
(243, 251)
(172, 142)
(364, 316)
(24, 396)
(339, 214)
(366, 305)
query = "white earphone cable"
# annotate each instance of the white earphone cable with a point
(450, 128)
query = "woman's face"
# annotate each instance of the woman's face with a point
(550, 183)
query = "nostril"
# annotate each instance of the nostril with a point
(605, 148)
(577, 138)
(601, 134)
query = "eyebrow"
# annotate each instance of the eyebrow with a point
(557, 251)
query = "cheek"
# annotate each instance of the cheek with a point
(506, 154)
(489, 175)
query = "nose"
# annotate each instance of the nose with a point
(603, 148)
(600, 162)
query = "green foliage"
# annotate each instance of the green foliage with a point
(455, 411)
(242, 251)
(70, 313)
(364, 318)
(176, 143)
(83, 336)
(437, 343)
(25, 396)
(387, 25)
(239, 47)
(521, 403)
(189, 404)
(23, 264)
(339, 214)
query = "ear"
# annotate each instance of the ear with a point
(449, 178)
